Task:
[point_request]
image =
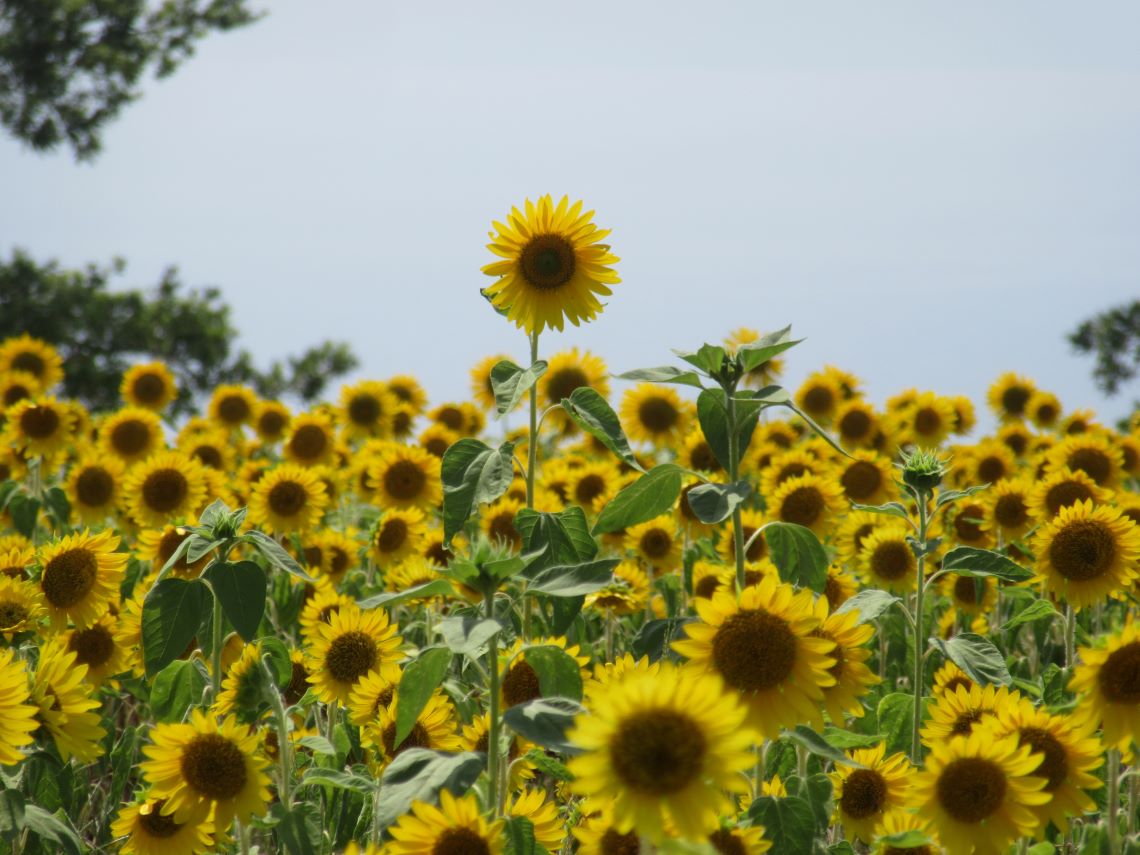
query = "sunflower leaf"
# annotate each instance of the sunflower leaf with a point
(755, 353)
(807, 738)
(593, 414)
(977, 656)
(655, 637)
(434, 588)
(509, 382)
(789, 823)
(949, 496)
(709, 358)
(559, 675)
(11, 813)
(890, 509)
(177, 687)
(714, 503)
(896, 719)
(869, 603)
(971, 561)
(911, 839)
(418, 774)
(561, 538)
(54, 827)
(241, 588)
(663, 374)
(298, 827)
(712, 413)
(275, 554)
(573, 580)
(811, 423)
(544, 721)
(468, 635)
(1036, 610)
(473, 474)
(798, 555)
(23, 509)
(420, 679)
(171, 612)
(651, 495)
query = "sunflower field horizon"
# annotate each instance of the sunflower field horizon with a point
(706, 614)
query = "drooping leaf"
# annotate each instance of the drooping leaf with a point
(171, 612)
(418, 774)
(510, 383)
(807, 738)
(756, 353)
(970, 561)
(473, 474)
(55, 827)
(573, 580)
(891, 509)
(655, 637)
(468, 635)
(275, 554)
(947, 497)
(663, 374)
(420, 679)
(544, 721)
(425, 591)
(651, 495)
(977, 657)
(241, 588)
(593, 414)
(714, 503)
(298, 827)
(1036, 610)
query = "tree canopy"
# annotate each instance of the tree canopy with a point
(101, 332)
(1113, 337)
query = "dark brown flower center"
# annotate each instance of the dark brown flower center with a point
(589, 488)
(350, 656)
(234, 409)
(364, 410)
(93, 646)
(966, 526)
(298, 684)
(953, 683)
(548, 262)
(1054, 766)
(1010, 511)
(855, 425)
(657, 751)
(460, 841)
(1084, 549)
(963, 725)
(706, 587)
(1119, 676)
(214, 766)
(404, 480)
(521, 684)
(759, 547)
(392, 535)
(864, 794)
(1046, 414)
(861, 480)
(12, 614)
(991, 469)
(130, 437)
(969, 590)
(754, 650)
(927, 421)
(1014, 399)
(616, 843)
(803, 506)
(69, 577)
(655, 544)
(287, 498)
(148, 388)
(271, 423)
(971, 789)
(156, 824)
(164, 490)
(502, 528)
(94, 486)
(29, 362)
(208, 455)
(309, 442)
(727, 843)
(417, 738)
(39, 422)
(562, 383)
(891, 560)
(818, 399)
(1093, 462)
(657, 415)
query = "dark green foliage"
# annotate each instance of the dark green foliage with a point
(101, 332)
(1113, 337)
(66, 68)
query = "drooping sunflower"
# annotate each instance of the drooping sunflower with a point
(39, 427)
(553, 268)
(21, 606)
(964, 710)
(165, 487)
(97, 647)
(1108, 680)
(32, 356)
(434, 728)
(207, 768)
(351, 644)
(289, 498)
(80, 575)
(310, 440)
(863, 796)
(93, 487)
(63, 695)
(867, 478)
(1087, 553)
(853, 679)
(980, 792)
(17, 716)
(1091, 453)
(655, 414)
(366, 409)
(403, 476)
(150, 385)
(764, 647)
(808, 500)
(1072, 752)
(657, 543)
(456, 827)
(151, 832)
(664, 748)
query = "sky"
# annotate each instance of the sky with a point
(931, 194)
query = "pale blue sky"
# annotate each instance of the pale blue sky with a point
(930, 193)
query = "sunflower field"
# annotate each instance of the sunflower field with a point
(709, 615)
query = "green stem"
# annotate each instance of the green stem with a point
(1070, 636)
(733, 477)
(216, 651)
(284, 745)
(532, 444)
(1113, 801)
(493, 723)
(919, 636)
(1133, 784)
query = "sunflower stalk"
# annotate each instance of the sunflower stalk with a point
(284, 746)
(1112, 776)
(493, 726)
(922, 495)
(733, 477)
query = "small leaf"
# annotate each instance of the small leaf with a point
(807, 738)
(977, 656)
(788, 823)
(592, 414)
(510, 383)
(473, 474)
(712, 413)
(559, 674)
(573, 580)
(275, 554)
(755, 353)
(869, 603)
(1036, 610)
(651, 495)
(434, 588)
(240, 587)
(318, 744)
(847, 739)
(709, 358)
(714, 503)
(177, 687)
(655, 637)
(663, 374)
(896, 721)
(172, 610)
(891, 509)
(798, 555)
(420, 679)
(548, 765)
(418, 774)
(468, 636)
(198, 547)
(970, 561)
(949, 496)
(298, 827)
(544, 721)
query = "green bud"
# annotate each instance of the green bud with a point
(923, 469)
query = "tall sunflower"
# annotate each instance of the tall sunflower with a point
(150, 385)
(554, 266)
(980, 792)
(17, 716)
(163, 488)
(204, 767)
(80, 575)
(351, 644)
(456, 827)
(764, 648)
(865, 793)
(1086, 553)
(1108, 680)
(66, 704)
(288, 499)
(664, 748)
(654, 413)
(151, 832)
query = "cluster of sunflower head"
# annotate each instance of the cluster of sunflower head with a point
(682, 738)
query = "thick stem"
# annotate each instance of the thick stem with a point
(216, 651)
(733, 476)
(919, 636)
(493, 723)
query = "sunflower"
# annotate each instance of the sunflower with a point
(159, 545)
(232, 406)
(373, 693)
(592, 484)
(966, 524)
(533, 805)
(1087, 553)
(97, 648)
(596, 834)
(17, 716)
(553, 265)
(972, 595)
(887, 561)
(352, 643)
(408, 391)
(366, 409)
(481, 389)
(61, 692)
(850, 535)
(785, 465)
(520, 681)
(434, 728)
(289, 498)
(656, 543)
(988, 462)
(436, 439)
(819, 396)
(456, 827)
(856, 424)
(150, 385)
(241, 686)
(475, 738)
(1108, 680)
(948, 678)
(93, 487)
(928, 420)
(664, 748)
(807, 500)
(403, 476)
(32, 356)
(166, 486)
(980, 792)
(1071, 752)
(1063, 488)
(39, 427)
(150, 832)
(213, 449)
(16, 386)
(207, 768)
(310, 441)
(900, 822)
(569, 370)
(15, 557)
(751, 522)
(853, 679)
(765, 648)
(1007, 508)
(1009, 396)
(1079, 421)
(331, 553)
(863, 796)
(80, 576)
(271, 420)
(654, 413)
(21, 606)
(867, 478)
(964, 710)
(1090, 453)
(627, 594)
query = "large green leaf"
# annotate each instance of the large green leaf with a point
(592, 414)
(651, 495)
(425, 591)
(509, 382)
(663, 374)
(896, 721)
(712, 413)
(573, 580)
(240, 587)
(869, 603)
(473, 474)
(807, 738)
(177, 687)
(418, 774)
(798, 554)
(714, 503)
(755, 353)
(420, 679)
(171, 612)
(55, 827)
(544, 722)
(559, 674)
(561, 538)
(971, 561)
(788, 823)
(977, 656)
(1036, 610)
